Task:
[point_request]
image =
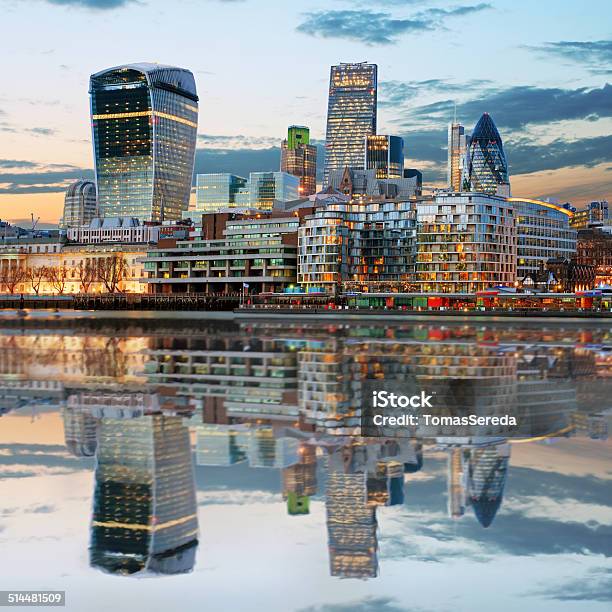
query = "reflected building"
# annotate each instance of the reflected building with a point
(300, 481)
(80, 430)
(144, 510)
(351, 522)
(487, 473)
(144, 123)
(486, 168)
(351, 116)
(456, 482)
(221, 444)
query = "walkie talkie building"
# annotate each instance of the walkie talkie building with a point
(144, 126)
(351, 116)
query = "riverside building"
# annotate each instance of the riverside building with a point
(543, 233)
(466, 243)
(369, 245)
(231, 253)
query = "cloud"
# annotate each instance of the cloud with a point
(378, 28)
(525, 157)
(17, 163)
(39, 131)
(368, 604)
(396, 93)
(100, 5)
(361, 26)
(515, 107)
(239, 141)
(30, 177)
(243, 160)
(596, 53)
(595, 586)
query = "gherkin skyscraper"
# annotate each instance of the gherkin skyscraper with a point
(486, 168)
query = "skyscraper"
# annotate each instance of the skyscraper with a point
(385, 154)
(299, 157)
(351, 115)
(456, 155)
(144, 123)
(80, 204)
(486, 168)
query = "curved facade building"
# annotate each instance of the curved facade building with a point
(80, 204)
(543, 232)
(144, 124)
(486, 168)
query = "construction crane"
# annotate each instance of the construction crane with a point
(34, 223)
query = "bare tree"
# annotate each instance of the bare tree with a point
(35, 276)
(111, 271)
(11, 276)
(58, 276)
(87, 273)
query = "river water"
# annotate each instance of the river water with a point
(164, 462)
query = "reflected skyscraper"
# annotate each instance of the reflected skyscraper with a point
(144, 123)
(486, 168)
(144, 512)
(487, 473)
(351, 115)
(80, 429)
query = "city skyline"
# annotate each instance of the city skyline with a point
(556, 127)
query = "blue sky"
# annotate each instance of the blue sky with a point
(540, 68)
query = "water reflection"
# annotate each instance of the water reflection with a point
(154, 402)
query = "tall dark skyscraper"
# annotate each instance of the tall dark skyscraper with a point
(299, 157)
(486, 168)
(385, 154)
(144, 124)
(351, 115)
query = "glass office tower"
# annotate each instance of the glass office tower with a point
(456, 155)
(217, 191)
(385, 154)
(351, 115)
(486, 168)
(144, 123)
(299, 157)
(267, 187)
